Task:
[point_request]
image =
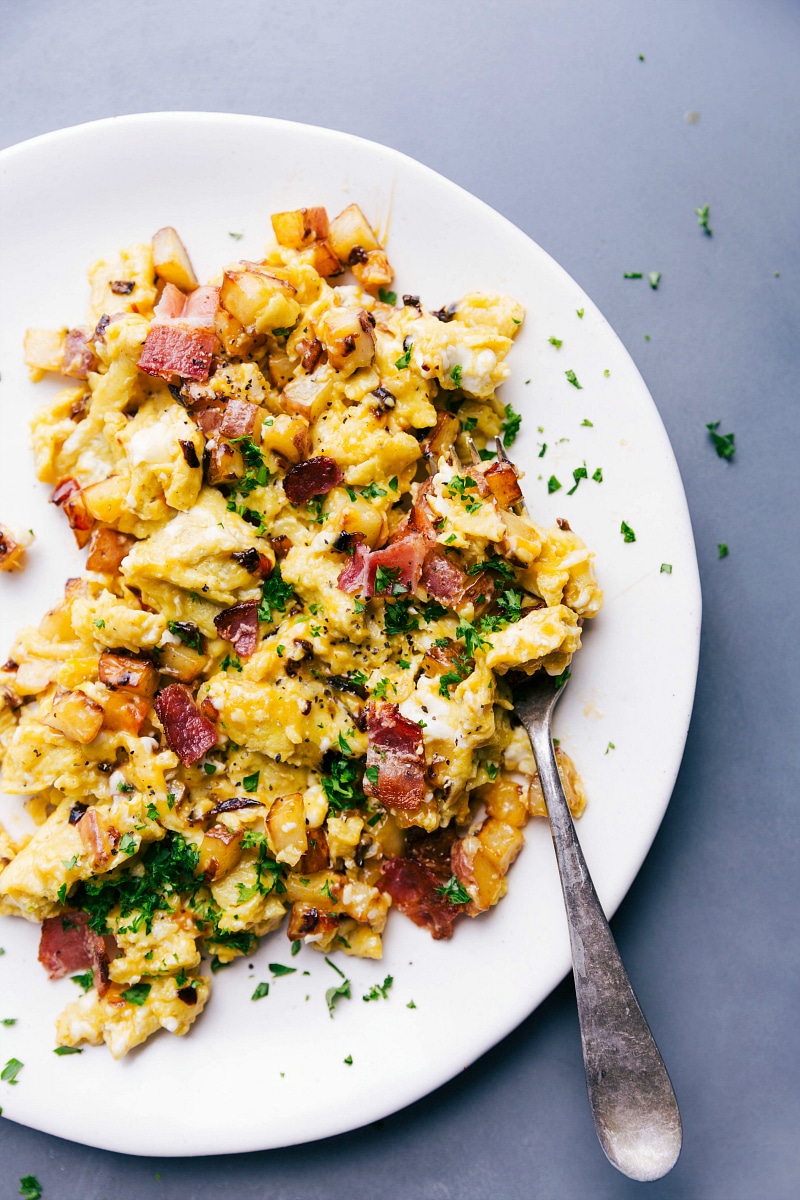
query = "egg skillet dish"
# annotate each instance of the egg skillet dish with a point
(280, 687)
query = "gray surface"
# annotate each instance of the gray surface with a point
(544, 110)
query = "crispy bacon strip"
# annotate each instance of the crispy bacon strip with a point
(314, 477)
(189, 734)
(67, 944)
(395, 747)
(182, 340)
(405, 556)
(412, 886)
(441, 578)
(239, 626)
(79, 357)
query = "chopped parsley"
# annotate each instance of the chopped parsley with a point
(586, 421)
(250, 782)
(702, 219)
(262, 990)
(11, 1070)
(136, 994)
(722, 550)
(348, 1061)
(274, 595)
(598, 475)
(610, 746)
(492, 770)
(580, 312)
(722, 442)
(401, 363)
(632, 275)
(188, 633)
(471, 637)
(230, 660)
(578, 474)
(666, 569)
(561, 679)
(654, 278)
(342, 784)
(455, 375)
(386, 581)
(84, 981)
(279, 969)
(336, 993)
(62, 1050)
(553, 485)
(511, 425)
(398, 618)
(379, 991)
(30, 1188)
(296, 947)
(372, 491)
(128, 844)
(237, 237)
(411, 1004)
(454, 891)
(499, 565)
(387, 297)
(557, 342)
(573, 379)
(627, 533)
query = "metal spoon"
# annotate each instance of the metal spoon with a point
(633, 1105)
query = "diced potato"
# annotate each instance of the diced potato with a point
(311, 921)
(374, 272)
(106, 500)
(241, 419)
(12, 549)
(225, 463)
(297, 228)
(321, 890)
(306, 396)
(44, 350)
(501, 842)
(323, 260)
(125, 712)
(281, 368)
(443, 435)
(348, 335)
(127, 673)
(107, 550)
(75, 715)
(571, 782)
(181, 662)
(503, 483)
(286, 435)
(286, 827)
(476, 871)
(171, 261)
(505, 799)
(220, 851)
(232, 334)
(350, 230)
(69, 497)
(259, 301)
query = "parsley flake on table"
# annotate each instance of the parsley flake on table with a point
(627, 533)
(348, 1061)
(30, 1188)
(11, 1070)
(722, 550)
(297, 946)
(411, 1004)
(279, 969)
(598, 475)
(511, 425)
(578, 474)
(666, 569)
(654, 278)
(379, 991)
(723, 442)
(552, 484)
(573, 379)
(632, 275)
(334, 994)
(262, 990)
(237, 237)
(610, 746)
(62, 1050)
(580, 312)
(702, 219)
(557, 342)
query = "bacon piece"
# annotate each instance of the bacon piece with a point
(79, 357)
(239, 626)
(209, 420)
(182, 339)
(314, 477)
(68, 944)
(412, 886)
(395, 747)
(441, 578)
(353, 578)
(405, 555)
(189, 734)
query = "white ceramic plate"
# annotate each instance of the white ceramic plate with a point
(257, 1075)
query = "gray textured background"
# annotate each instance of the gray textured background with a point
(544, 110)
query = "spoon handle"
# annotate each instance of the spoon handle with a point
(632, 1101)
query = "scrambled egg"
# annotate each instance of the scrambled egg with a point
(197, 512)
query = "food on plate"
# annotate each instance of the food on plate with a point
(279, 692)
(13, 544)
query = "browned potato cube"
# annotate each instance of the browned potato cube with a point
(443, 435)
(220, 851)
(323, 260)
(309, 919)
(505, 799)
(501, 842)
(181, 662)
(259, 301)
(75, 715)
(225, 463)
(350, 231)
(286, 827)
(127, 673)
(107, 550)
(241, 419)
(477, 873)
(374, 272)
(235, 339)
(170, 260)
(125, 712)
(69, 496)
(12, 549)
(348, 335)
(287, 436)
(503, 483)
(322, 889)
(297, 228)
